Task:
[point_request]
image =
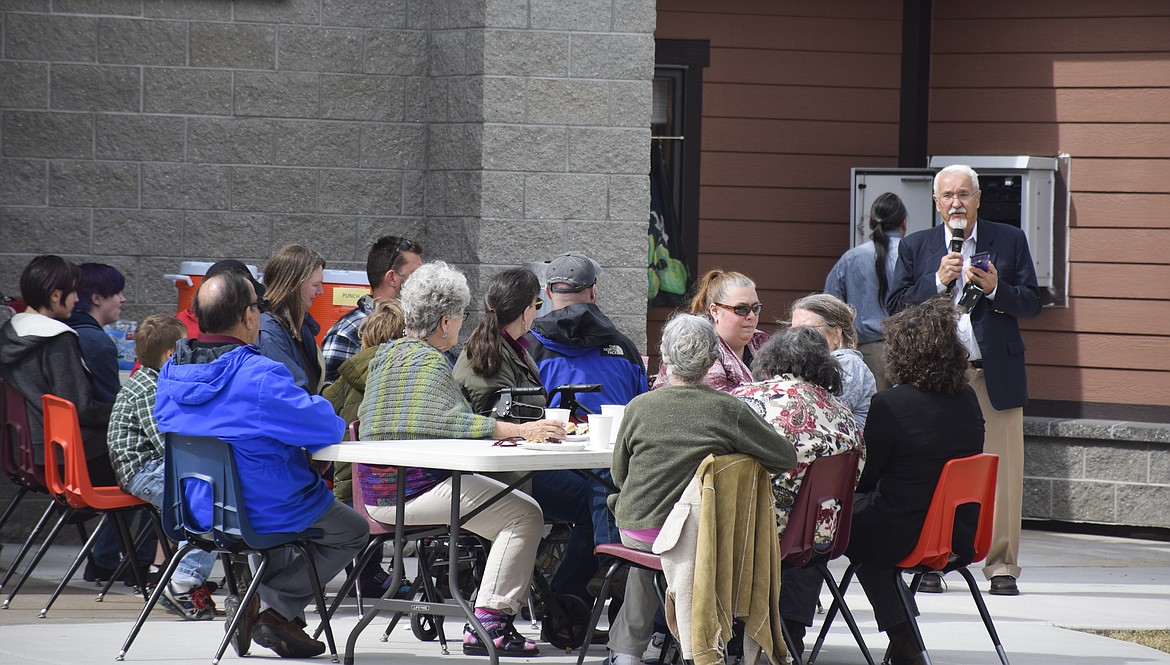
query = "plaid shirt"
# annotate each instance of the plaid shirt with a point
(343, 340)
(133, 436)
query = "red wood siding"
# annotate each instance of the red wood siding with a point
(1091, 79)
(796, 94)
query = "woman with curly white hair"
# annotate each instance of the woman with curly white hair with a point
(412, 394)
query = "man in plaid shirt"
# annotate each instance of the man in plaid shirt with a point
(390, 262)
(136, 452)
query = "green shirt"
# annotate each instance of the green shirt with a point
(133, 436)
(664, 436)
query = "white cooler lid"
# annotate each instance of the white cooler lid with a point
(354, 277)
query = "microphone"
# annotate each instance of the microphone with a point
(957, 228)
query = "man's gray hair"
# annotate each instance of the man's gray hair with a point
(958, 168)
(433, 291)
(689, 347)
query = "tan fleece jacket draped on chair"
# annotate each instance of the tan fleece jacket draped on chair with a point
(721, 557)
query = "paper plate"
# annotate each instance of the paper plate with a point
(562, 447)
(577, 438)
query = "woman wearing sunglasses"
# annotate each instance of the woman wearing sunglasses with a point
(729, 300)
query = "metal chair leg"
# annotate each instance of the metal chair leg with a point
(839, 602)
(12, 505)
(28, 542)
(81, 556)
(319, 596)
(844, 586)
(253, 589)
(41, 552)
(165, 579)
(984, 614)
(599, 606)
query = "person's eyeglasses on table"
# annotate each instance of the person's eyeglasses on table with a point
(742, 309)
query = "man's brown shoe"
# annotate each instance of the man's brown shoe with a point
(1004, 585)
(242, 641)
(285, 637)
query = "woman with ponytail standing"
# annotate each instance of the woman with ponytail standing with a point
(862, 278)
(728, 299)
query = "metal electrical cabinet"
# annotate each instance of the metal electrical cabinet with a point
(1017, 190)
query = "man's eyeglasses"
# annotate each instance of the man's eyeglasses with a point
(538, 303)
(261, 305)
(742, 310)
(947, 197)
(404, 245)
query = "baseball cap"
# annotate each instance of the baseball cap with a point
(238, 267)
(573, 268)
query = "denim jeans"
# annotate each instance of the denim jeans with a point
(568, 496)
(147, 485)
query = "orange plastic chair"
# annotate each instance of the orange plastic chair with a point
(63, 442)
(964, 481)
(826, 479)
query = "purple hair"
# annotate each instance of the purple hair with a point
(101, 279)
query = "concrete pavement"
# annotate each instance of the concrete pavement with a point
(1069, 582)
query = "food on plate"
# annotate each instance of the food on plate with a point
(577, 428)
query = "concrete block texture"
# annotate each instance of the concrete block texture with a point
(563, 196)
(415, 104)
(42, 134)
(629, 103)
(313, 49)
(316, 143)
(501, 194)
(24, 85)
(506, 14)
(525, 53)
(505, 99)
(139, 138)
(273, 190)
(456, 146)
(397, 52)
(1083, 501)
(156, 295)
(378, 98)
(1037, 502)
(583, 15)
(1048, 458)
(230, 140)
(243, 236)
(333, 236)
(184, 187)
(510, 242)
(640, 16)
(621, 290)
(624, 242)
(278, 11)
(393, 146)
(188, 91)
(277, 95)
(232, 45)
(568, 102)
(54, 38)
(1144, 505)
(609, 150)
(1118, 462)
(365, 13)
(137, 232)
(142, 42)
(95, 184)
(196, 10)
(629, 197)
(608, 56)
(414, 193)
(23, 181)
(31, 230)
(457, 53)
(96, 88)
(465, 99)
(355, 192)
(124, 7)
(370, 229)
(524, 148)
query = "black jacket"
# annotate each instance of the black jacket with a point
(40, 355)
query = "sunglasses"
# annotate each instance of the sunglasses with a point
(510, 442)
(742, 310)
(538, 303)
(261, 305)
(404, 245)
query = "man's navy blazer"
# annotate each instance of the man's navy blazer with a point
(995, 322)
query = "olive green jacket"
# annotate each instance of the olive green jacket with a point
(515, 372)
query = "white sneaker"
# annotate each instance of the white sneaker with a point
(654, 649)
(616, 658)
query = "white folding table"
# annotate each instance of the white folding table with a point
(458, 456)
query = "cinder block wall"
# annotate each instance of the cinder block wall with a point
(142, 133)
(1098, 471)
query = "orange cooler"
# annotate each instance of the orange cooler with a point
(343, 289)
(191, 274)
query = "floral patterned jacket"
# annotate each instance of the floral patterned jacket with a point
(817, 424)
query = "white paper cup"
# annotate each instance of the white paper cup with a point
(600, 431)
(557, 414)
(617, 411)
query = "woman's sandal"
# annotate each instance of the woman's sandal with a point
(508, 641)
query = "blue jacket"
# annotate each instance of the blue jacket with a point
(100, 355)
(579, 344)
(277, 342)
(232, 392)
(996, 322)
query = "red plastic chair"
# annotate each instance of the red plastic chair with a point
(624, 557)
(831, 478)
(964, 481)
(21, 466)
(63, 442)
